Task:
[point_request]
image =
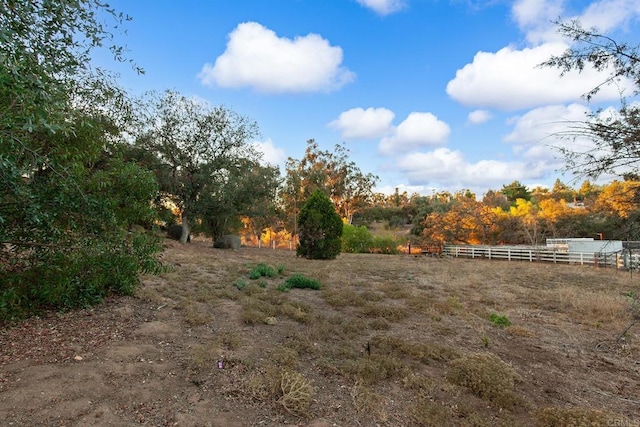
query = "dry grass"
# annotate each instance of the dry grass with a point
(404, 340)
(578, 417)
(488, 377)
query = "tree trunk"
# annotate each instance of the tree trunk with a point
(184, 237)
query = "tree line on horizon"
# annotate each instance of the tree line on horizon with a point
(87, 170)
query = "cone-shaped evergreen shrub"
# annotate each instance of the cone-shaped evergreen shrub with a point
(320, 228)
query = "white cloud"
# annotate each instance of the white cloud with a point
(417, 130)
(544, 127)
(272, 155)
(540, 134)
(479, 116)
(447, 169)
(256, 57)
(383, 7)
(511, 79)
(536, 17)
(358, 123)
(609, 14)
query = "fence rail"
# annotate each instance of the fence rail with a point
(624, 260)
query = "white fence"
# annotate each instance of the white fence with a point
(624, 259)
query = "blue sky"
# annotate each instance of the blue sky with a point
(429, 95)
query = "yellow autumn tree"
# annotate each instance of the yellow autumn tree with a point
(620, 198)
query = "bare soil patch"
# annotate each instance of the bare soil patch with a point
(387, 341)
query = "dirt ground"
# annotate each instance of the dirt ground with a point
(378, 344)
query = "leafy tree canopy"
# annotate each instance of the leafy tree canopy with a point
(196, 150)
(68, 200)
(332, 172)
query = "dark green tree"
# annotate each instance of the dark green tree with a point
(68, 199)
(320, 228)
(515, 191)
(197, 150)
(245, 189)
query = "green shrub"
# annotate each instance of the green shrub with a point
(499, 320)
(320, 228)
(68, 280)
(299, 281)
(356, 239)
(262, 270)
(240, 284)
(384, 245)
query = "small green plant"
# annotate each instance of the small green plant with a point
(299, 281)
(499, 320)
(262, 270)
(280, 268)
(240, 284)
(262, 284)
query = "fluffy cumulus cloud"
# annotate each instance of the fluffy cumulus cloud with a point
(256, 57)
(445, 168)
(417, 130)
(383, 7)
(272, 155)
(477, 117)
(511, 79)
(358, 123)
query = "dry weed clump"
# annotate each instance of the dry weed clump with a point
(394, 290)
(229, 340)
(256, 310)
(301, 343)
(196, 313)
(342, 297)
(487, 376)
(375, 368)
(264, 385)
(259, 306)
(520, 331)
(575, 417)
(599, 306)
(204, 356)
(379, 325)
(367, 402)
(434, 414)
(296, 393)
(388, 312)
(422, 351)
